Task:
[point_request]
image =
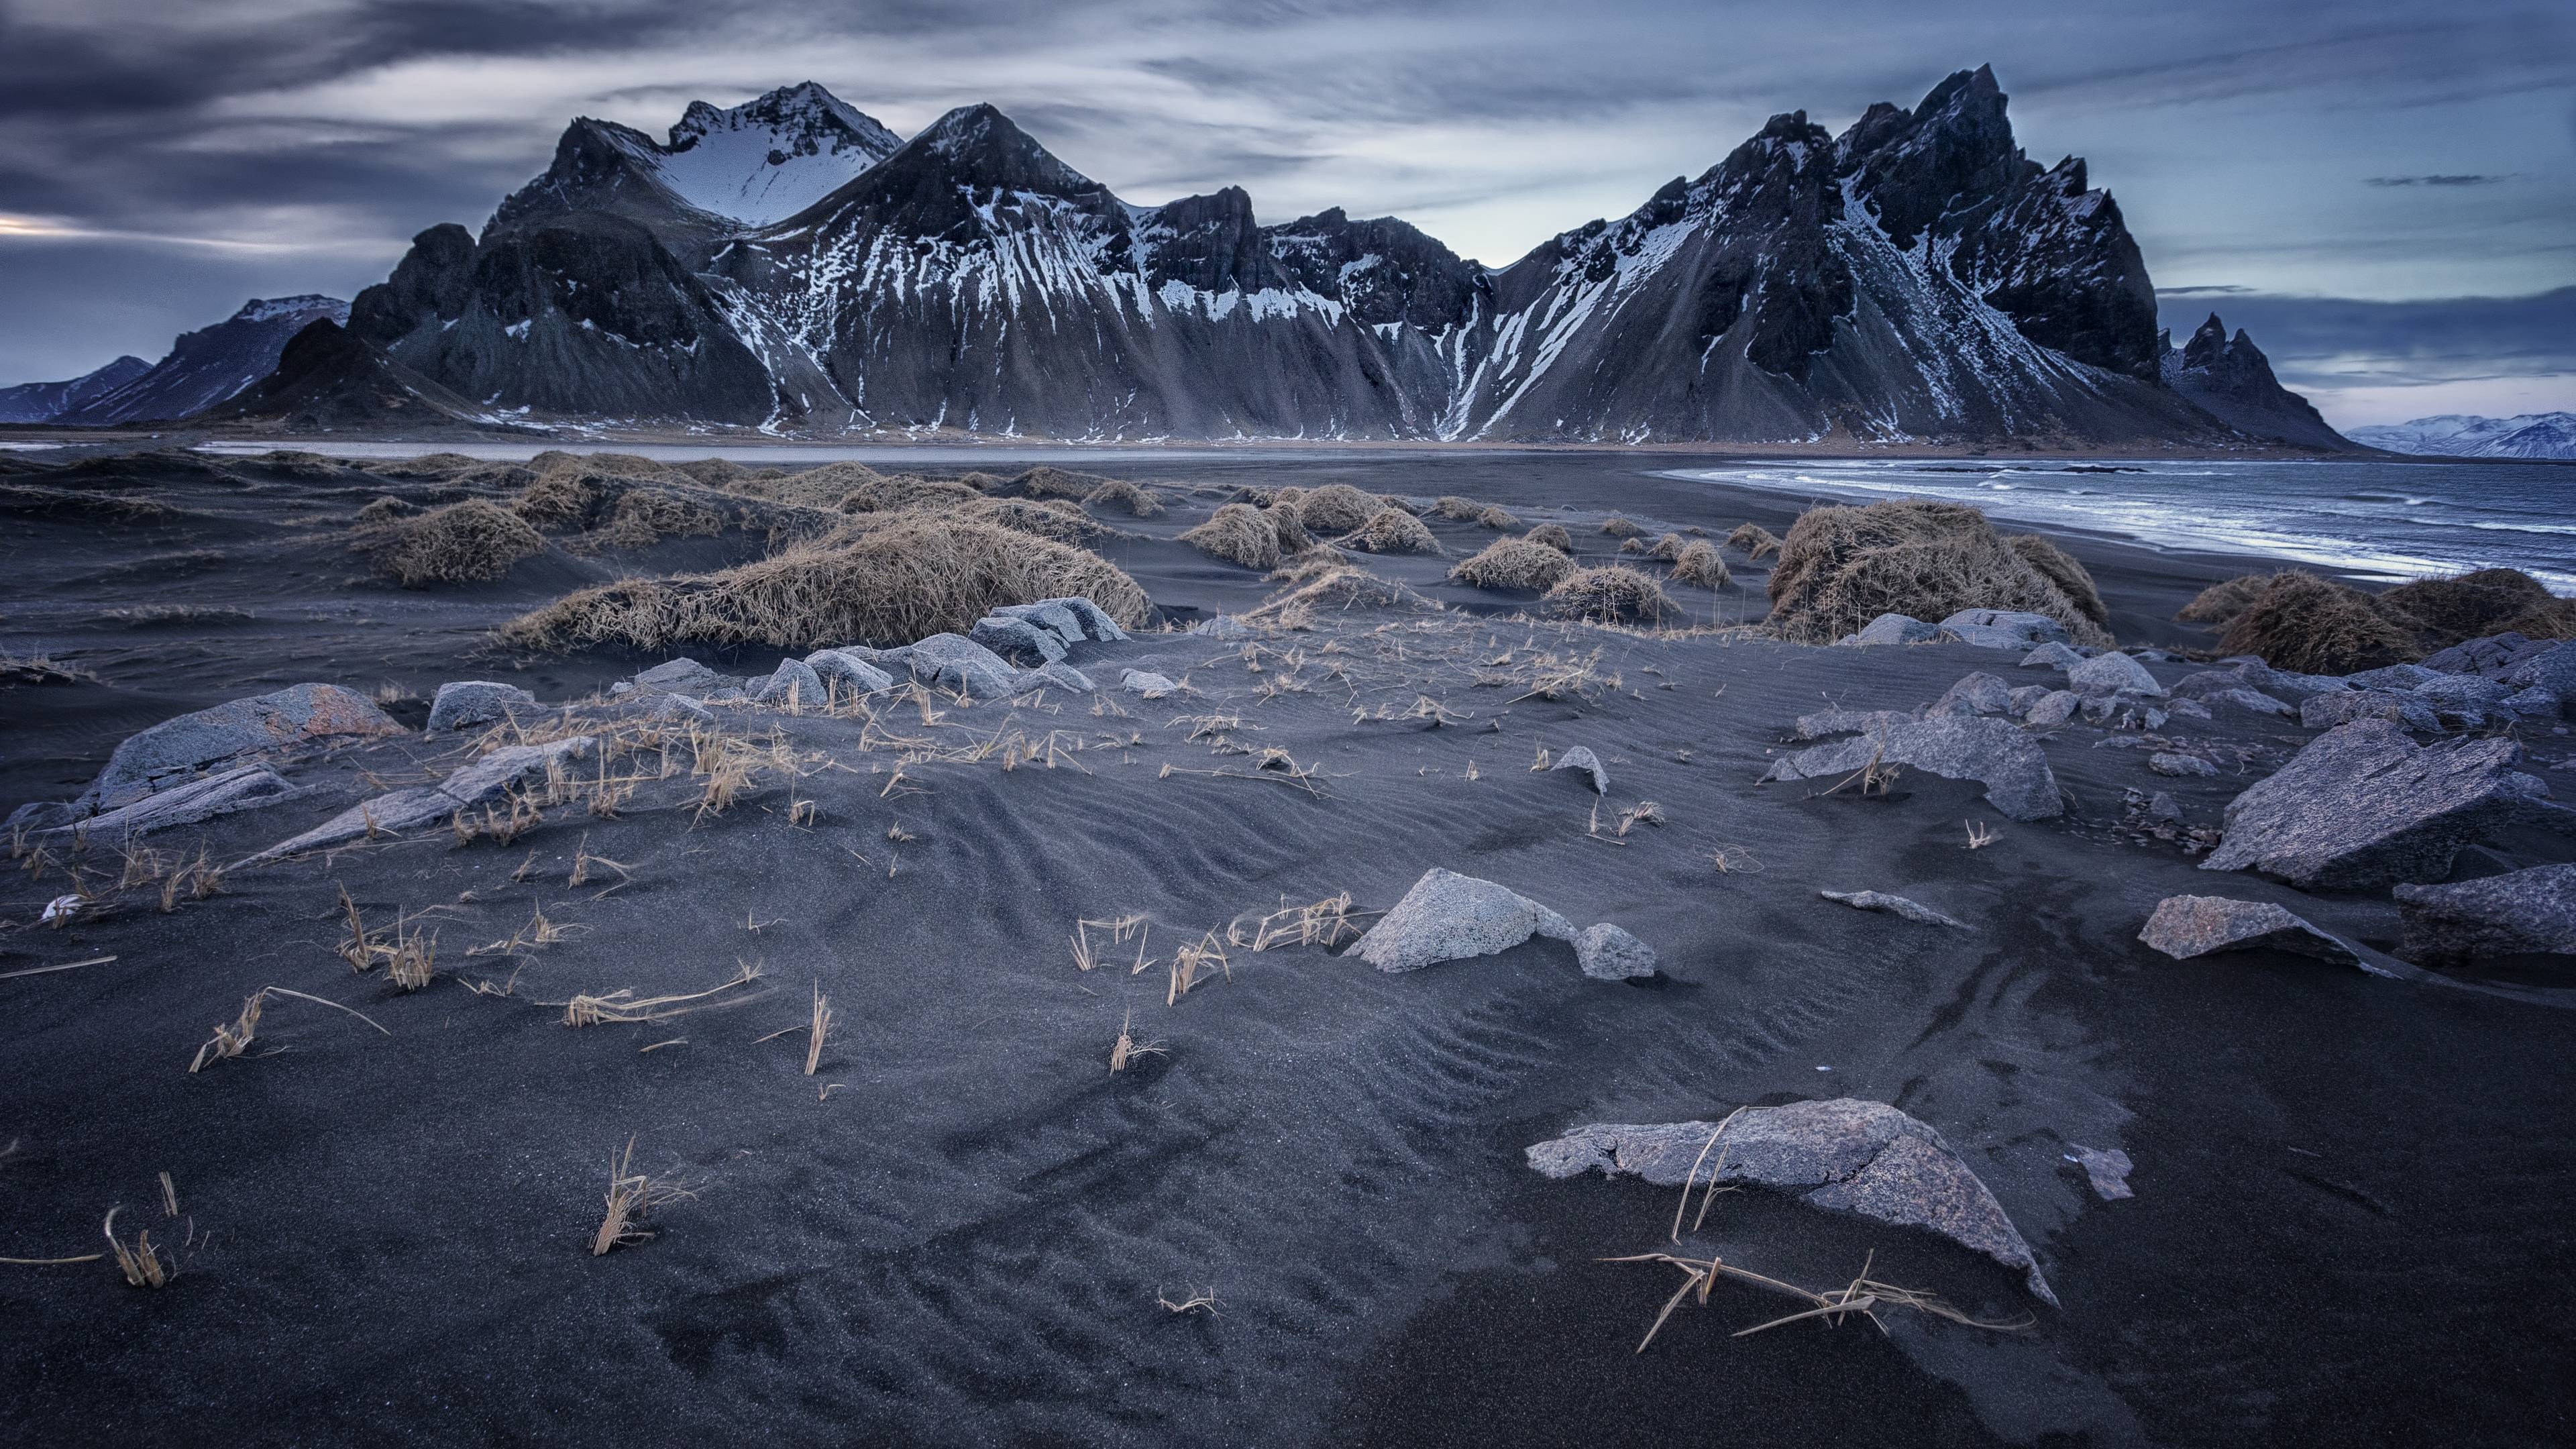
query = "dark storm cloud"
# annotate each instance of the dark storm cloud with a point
(2328, 342)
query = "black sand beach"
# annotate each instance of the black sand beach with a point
(2349, 1211)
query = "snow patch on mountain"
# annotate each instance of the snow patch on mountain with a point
(2462, 435)
(765, 160)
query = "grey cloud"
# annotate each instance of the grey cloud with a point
(2338, 341)
(2462, 180)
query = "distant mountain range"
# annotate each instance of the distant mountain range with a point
(2531, 435)
(791, 266)
(205, 368)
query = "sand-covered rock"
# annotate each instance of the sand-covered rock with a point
(1844, 1155)
(2106, 1168)
(1024, 639)
(245, 788)
(2054, 708)
(1992, 752)
(1893, 629)
(2052, 656)
(2247, 701)
(2519, 913)
(1894, 906)
(1839, 721)
(473, 784)
(2180, 766)
(681, 676)
(1225, 628)
(2552, 669)
(1146, 683)
(1448, 916)
(2004, 629)
(953, 661)
(1976, 694)
(2363, 806)
(1581, 758)
(175, 750)
(465, 702)
(2112, 673)
(2184, 927)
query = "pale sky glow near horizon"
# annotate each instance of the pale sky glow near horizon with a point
(2379, 190)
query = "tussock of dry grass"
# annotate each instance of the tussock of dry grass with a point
(1614, 595)
(1336, 590)
(2060, 568)
(1124, 1052)
(1554, 536)
(144, 1264)
(2220, 603)
(1051, 518)
(1618, 527)
(1463, 510)
(918, 575)
(1335, 508)
(1239, 534)
(894, 492)
(1496, 516)
(623, 1005)
(631, 1196)
(1698, 563)
(386, 509)
(233, 1038)
(1633, 546)
(645, 516)
(1119, 493)
(1756, 541)
(1667, 547)
(1841, 567)
(1391, 530)
(1045, 481)
(1314, 562)
(1291, 529)
(468, 542)
(2444, 612)
(1513, 563)
(2308, 624)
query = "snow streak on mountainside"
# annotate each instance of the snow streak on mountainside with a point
(2457, 435)
(42, 402)
(207, 366)
(1915, 277)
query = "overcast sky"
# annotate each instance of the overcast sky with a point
(2365, 183)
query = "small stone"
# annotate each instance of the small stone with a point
(2113, 673)
(2107, 1168)
(1448, 916)
(1150, 685)
(1894, 905)
(476, 701)
(794, 681)
(1846, 721)
(2168, 763)
(1581, 758)
(2164, 807)
(1977, 694)
(2249, 701)
(2185, 927)
(1893, 629)
(1059, 675)
(2055, 708)
(1609, 953)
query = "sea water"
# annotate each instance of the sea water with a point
(2379, 520)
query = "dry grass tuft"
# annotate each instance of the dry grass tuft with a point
(1756, 541)
(1633, 546)
(1195, 963)
(2060, 568)
(1335, 590)
(1554, 536)
(2220, 603)
(1192, 1301)
(2305, 623)
(1325, 923)
(1980, 835)
(1698, 563)
(1614, 595)
(1513, 563)
(624, 1005)
(1841, 567)
(1048, 481)
(2443, 612)
(1497, 516)
(1120, 493)
(1124, 1052)
(631, 1196)
(912, 576)
(143, 1264)
(1462, 510)
(1668, 547)
(817, 1029)
(646, 516)
(1335, 508)
(1618, 527)
(386, 509)
(233, 1038)
(468, 542)
(1391, 530)
(1238, 533)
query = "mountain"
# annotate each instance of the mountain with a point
(327, 380)
(2230, 378)
(2531, 435)
(42, 402)
(1916, 277)
(206, 366)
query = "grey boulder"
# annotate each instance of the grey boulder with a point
(1893, 905)
(2054, 708)
(245, 788)
(2523, 912)
(1976, 694)
(1609, 953)
(2113, 673)
(1582, 758)
(2004, 629)
(1146, 683)
(1839, 721)
(2184, 927)
(2326, 711)
(476, 701)
(1892, 629)
(1058, 675)
(1021, 638)
(1863, 1158)
(2363, 806)
(1990, 751)
(2248, 701)
(473, 784)
(793, 682)
(2052, 655)
(850, 670)
(2552, 669)
(172, 752)
(681, 676)
(1448, 916)
(953, 661)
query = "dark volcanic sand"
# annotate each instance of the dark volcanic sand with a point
(2351, 1191)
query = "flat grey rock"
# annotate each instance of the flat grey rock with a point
(681, 676)
(2521, 913)
(1893, 629)
(852, 672)
(2325, 711)
(1581, 758)
(244, 788)
(1091, 619)
(2054, 708)
(2535, 702)
(2113, 673)
(678, 709)
(174, 751)
(1019, 638)
(1056, 676)
(2165, 762)
(1609, 953)
(476, 701)
(2247, 701)
(1975, 694)
(1846, 721)
(1992, 752)
(1054, 618)
(1146, 683)
(2495, 656)
(2052, 655)
(1448, 916)
(2107, 1168)
(953, 661)
(1863, 1158)
(2399, 677)
(473, 784)
(2185, 927)
(2363, 806)
(2005, 629)
(793, 680)
(1893, 905)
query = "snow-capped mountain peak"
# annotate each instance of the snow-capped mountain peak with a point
(2459, 435)
(767, 159)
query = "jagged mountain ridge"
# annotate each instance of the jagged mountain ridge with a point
(1916, 277)
(2232, 379)
(42, 402)
(207, 366)
(2462, 435)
